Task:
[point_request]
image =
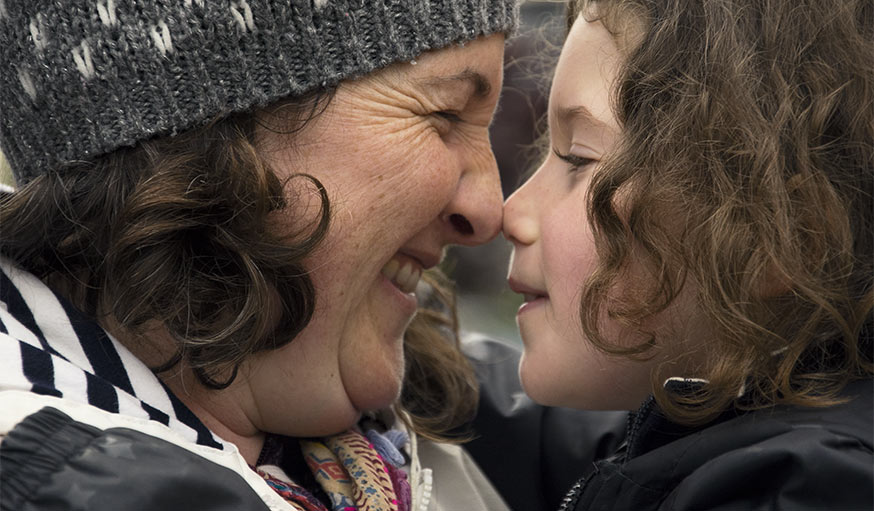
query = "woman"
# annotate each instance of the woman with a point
(223, 214)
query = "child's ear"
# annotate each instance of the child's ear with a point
(773, 282)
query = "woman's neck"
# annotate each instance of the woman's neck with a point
(221, 413)
(226, 412)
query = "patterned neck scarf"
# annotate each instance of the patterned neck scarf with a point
(352, 472)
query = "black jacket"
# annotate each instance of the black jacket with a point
(788, 458)
(50, 461)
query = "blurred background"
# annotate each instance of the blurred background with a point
(485, 302)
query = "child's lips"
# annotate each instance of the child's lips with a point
(532, 302)
(529, 293)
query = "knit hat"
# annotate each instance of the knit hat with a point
(81, 78)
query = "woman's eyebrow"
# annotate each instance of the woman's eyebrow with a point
(482, 87)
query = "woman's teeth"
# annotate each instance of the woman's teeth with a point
(404, 276)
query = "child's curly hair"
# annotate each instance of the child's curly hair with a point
(750, 125)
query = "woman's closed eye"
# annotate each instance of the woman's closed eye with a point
(445, 120)
(576, 161)
(450, 116)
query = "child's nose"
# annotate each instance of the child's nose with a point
(520, 224)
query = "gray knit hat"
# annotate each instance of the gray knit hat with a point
(81, 78)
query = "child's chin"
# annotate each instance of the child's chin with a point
(541, 388)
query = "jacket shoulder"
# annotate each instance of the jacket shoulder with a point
(51, 458)
(797, 470)
(794, 459)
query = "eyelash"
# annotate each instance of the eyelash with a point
(576, 162)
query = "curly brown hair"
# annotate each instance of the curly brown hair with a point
(749, 124)
(177, 231)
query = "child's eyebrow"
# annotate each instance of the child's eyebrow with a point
(565, 115)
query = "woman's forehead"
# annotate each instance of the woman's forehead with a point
(475, 67)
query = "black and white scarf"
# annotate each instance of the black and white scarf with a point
(49, 347)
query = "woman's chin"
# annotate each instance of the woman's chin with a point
(329, 424)
(377, 396)
(373, 379)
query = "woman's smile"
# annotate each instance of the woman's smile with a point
(403, 271)
(401, 277)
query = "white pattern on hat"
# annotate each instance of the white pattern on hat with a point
(162, 40)
(245, 18)
(106, 11)
(26, 82)
(82, 58)
(38, 32)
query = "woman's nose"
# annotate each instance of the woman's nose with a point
(474, 214)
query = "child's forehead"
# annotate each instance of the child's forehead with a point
(590, 50)
(584, 76)
(626, 22)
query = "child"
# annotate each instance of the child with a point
(699, 239)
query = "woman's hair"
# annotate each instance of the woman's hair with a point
(440, 391)
(746, 167)
(179, 231)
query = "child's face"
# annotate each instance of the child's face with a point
(554, 251)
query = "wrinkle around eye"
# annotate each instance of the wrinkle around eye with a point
(444, 121)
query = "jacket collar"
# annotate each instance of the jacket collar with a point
(54, 349)
(649, 428)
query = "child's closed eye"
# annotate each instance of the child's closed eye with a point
(576, 161)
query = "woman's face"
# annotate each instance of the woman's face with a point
(405, 158)
(554, 251)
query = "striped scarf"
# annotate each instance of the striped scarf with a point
(48, 347)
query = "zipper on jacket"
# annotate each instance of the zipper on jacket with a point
(635, 421)
(573, 495)
(569, 502)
